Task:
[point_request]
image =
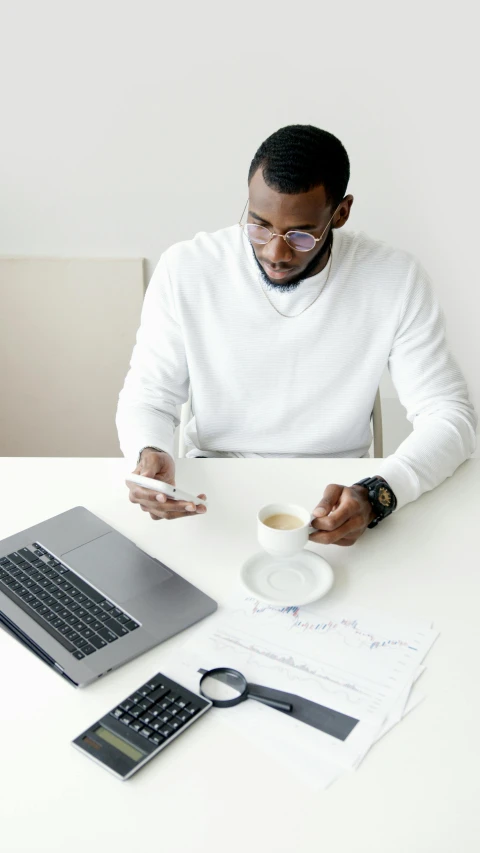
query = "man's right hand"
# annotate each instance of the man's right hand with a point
(160, 466)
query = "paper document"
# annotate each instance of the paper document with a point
(352, 660)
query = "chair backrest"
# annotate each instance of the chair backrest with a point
(186, 414)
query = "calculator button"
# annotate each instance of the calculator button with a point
(156, 739)
(136, 725)
(191, 710)
(145, 732)
(165, 704)
(157, 725)
(126, 705)
(136, 711)
(117, 712)
(165, 718)
(180, 703)
(145, 690)
(174, 725)
(182, 716)
(135, 697)
(127, 719)
(146, 719)
(173, 710)
(158, 694)
(166, 731)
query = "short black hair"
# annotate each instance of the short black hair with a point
(299, 157)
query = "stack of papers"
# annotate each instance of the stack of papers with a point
(357, 662)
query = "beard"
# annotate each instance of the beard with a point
(287, 287)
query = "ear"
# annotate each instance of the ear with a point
(343, 212)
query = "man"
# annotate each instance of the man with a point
(283, 328)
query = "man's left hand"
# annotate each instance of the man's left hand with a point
(342, 515)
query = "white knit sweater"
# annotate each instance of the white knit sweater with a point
(268, 385)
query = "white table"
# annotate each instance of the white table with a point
(416, 791)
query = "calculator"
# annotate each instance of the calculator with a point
(141, 726)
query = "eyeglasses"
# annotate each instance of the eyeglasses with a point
(301, 241)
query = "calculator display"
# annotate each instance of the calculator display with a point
(119, 743)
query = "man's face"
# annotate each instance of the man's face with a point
(280, 213)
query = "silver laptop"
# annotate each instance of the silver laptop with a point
(85, 599)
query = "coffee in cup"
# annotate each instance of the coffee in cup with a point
(283, 529)
(283, 521)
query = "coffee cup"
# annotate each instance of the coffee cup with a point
(283, 529)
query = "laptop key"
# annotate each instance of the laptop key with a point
(98, 642)
(84, 587)
(36, 617)
(115, 626)
(107, 635)
(78, 655)
(15, 558)
(131, 625)
(88, 649)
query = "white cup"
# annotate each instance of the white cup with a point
(283, 543)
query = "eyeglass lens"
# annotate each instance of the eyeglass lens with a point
(299, 240)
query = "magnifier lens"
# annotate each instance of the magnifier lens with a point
(223, 686)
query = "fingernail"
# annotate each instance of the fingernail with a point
(161, 498)
(201, 509)
(319, 512)
(190, 508)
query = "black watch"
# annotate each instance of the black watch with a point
(380, 496)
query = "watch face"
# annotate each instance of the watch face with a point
(384, 496)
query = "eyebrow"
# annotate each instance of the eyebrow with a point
(297, 227)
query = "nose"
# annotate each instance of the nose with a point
(277, 251)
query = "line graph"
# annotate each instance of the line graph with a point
(300, 668)
(349, 629)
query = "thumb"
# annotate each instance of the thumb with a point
(331, 496)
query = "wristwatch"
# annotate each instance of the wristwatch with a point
(380, 496)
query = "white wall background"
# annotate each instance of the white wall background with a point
(127, 126)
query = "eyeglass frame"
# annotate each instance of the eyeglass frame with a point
(284, 236)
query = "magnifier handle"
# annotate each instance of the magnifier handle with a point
(272, 703)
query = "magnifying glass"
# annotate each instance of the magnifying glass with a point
(227, 687)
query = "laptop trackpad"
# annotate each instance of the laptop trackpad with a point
(116, 567)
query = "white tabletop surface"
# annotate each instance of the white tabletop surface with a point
(417, 789)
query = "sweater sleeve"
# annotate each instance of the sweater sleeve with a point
(433, 390)
(157, 381)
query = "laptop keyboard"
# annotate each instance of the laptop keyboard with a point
(72, 611)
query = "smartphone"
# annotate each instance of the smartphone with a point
(159, 486)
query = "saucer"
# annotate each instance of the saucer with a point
(287, 580)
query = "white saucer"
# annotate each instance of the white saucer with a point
(287, 580)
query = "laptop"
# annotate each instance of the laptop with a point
(86, 600)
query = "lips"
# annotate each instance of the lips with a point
(277, 273)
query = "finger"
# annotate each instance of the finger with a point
(346, 508)
(331, 496)
(170, 505)
(166, 516)
(140, 495)
(331, 537)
